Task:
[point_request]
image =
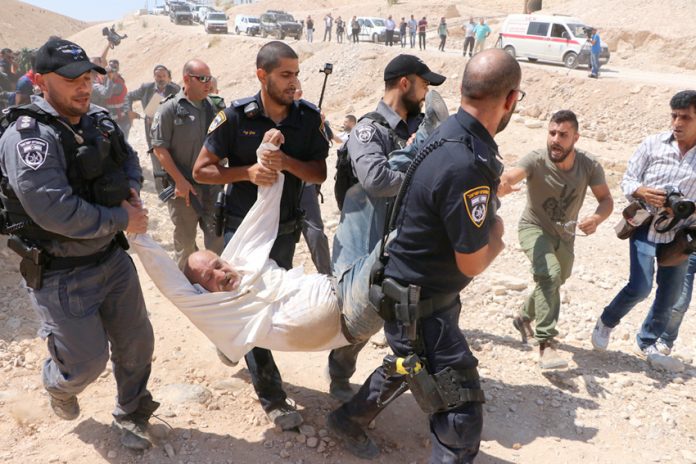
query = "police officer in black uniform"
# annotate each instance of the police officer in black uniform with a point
(448, 232)
(235, 134)
(69, 190)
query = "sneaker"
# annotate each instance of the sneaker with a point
(663, 347)
(549, 357)
(285, 416)
(341, 391)
(524, 327)
(435, 111)
(133, 433)
(224, 359)
(600, 335)
(354, 437)
(645, 352)
(65, 409)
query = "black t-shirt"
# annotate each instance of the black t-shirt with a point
(235, 136)
(449, 206)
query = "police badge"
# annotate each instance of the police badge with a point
(32, 152)
(476, 202)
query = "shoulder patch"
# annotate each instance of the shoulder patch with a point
(33, 152)
(309, 105)
(217, 121)
(242, 101)
(476, 202)
(365, 132)
(25, 123)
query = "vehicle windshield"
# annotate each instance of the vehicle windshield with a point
(578, 30)
(378, 22)
(217, 16)
(286, 18)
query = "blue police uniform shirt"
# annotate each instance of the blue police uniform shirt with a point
(235, 136)
(449, 206)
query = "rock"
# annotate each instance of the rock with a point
(517, 446)
(307, 430)
(518, 118)
(379, 339)
(233, 385)
(111, 454)
(601, 136)
(300, 438)
(689, 456)
(665, 363)
(179, 393)
(169, 450)
(284, 454)
(312, 442)
(533, 124)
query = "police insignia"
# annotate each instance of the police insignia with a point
(33, 152)
(476, 202)
(365, 133)
(219, 119)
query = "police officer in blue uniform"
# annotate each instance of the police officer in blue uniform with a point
(235, 134)
(448, 232)
(69, 190)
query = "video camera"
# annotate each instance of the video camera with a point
(680, 206)
(327, 69)
(112, 36)
(588, 31)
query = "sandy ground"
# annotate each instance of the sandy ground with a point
(606, 408)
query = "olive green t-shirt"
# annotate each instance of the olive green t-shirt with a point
(555, 196)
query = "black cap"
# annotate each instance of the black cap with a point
(64, 58)
(403, 65)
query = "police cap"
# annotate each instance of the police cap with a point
(403, 65)
(65, 59)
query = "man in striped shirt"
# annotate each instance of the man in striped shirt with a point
(663, 160)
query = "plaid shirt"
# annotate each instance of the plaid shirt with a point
(658, 163)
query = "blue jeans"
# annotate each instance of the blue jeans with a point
(642, 269)
(264, 373)
(677, 314)
(594, 62)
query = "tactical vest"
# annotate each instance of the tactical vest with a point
(95, 161)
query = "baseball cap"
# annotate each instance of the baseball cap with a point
(403, 65)
(24, 86)
(65, 59)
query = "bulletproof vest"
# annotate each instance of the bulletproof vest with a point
(95, 160)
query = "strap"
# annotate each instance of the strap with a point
(451, 389)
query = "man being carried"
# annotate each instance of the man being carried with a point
(557, 179)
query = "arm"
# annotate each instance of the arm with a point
(604, 208)
(473, 264)
(135, 95)
(509, 179)
(208, 170)
(104, 53)
(371, 163)
(104, 90)
(632, 182)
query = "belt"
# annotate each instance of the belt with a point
(284, 228)
(68, 262)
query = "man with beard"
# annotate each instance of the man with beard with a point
(161, 88)
(557, 180)
(364, 212)
(235, 134)
(447, 231)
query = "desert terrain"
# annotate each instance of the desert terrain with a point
(608, 407)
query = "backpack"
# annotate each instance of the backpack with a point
(345, 178)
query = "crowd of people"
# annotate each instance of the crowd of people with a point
(403, 32)
(71, 186)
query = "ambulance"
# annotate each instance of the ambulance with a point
(557, 39)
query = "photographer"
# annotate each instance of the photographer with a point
(663, 160)
(8, 70)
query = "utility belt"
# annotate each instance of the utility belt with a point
(291, 227)
(35, 260)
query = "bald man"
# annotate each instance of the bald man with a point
(450, 234)
(178, 131)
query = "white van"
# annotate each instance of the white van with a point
(374, 29)
(247, 24)
(558, 39)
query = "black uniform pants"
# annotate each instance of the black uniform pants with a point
(355, 33)
(265, 375)
(455, 434)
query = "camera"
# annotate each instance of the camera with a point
(680, 206)
(328, 69)
(112, 36)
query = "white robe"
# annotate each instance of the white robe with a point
(272, 308)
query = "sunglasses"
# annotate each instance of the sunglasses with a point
(202, 79)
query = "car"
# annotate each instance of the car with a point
(199, 12)
(279, 24)
(374, 29)
(180, 13)
(215, 22)
(247, 24)
(557, 39)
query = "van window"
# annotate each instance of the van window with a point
(538, 29)
(361, 22)
(559, 31)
